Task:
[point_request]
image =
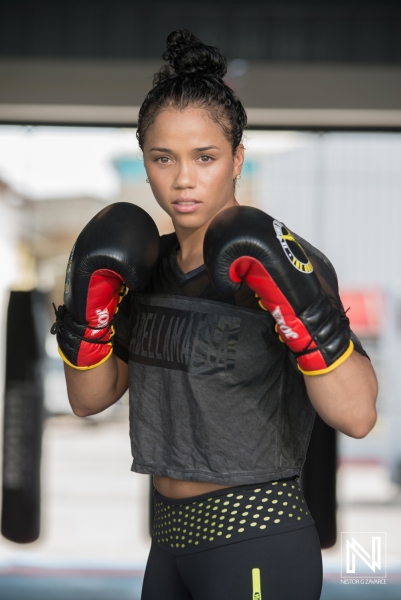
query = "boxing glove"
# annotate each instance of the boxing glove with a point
(117, 249)
(244, 243)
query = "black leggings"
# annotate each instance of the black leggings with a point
(282, 566)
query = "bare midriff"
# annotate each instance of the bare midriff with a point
(176, 488)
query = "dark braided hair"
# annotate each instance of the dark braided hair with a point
(193, 77)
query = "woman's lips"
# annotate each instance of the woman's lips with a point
(186, 205)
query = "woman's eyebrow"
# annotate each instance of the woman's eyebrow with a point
(206, 148)
(156, 149)
(160, 150)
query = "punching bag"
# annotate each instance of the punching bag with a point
(318, 481)
(27, 324)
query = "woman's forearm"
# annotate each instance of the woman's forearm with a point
(94, 390)
(346, 397)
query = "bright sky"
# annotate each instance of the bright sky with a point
(51, 162)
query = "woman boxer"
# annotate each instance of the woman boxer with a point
(221, 410)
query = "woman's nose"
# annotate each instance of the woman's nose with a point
(184, 177)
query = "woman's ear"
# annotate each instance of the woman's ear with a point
(239, 156)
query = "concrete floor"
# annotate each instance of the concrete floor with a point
(94, 540)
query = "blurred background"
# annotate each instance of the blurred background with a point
(321, 82)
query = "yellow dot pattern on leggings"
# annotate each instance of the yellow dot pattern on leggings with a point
(232, 515)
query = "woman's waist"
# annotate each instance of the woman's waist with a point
(179, 489)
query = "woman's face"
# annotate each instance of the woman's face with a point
(190, 166)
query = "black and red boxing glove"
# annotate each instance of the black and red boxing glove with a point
(244, 243)
(118, 248)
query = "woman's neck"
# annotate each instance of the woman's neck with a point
(190, 252)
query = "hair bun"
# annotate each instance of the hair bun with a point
(189, 56)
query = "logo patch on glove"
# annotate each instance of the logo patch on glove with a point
(102, 318)
(282, 325)
(293, 249)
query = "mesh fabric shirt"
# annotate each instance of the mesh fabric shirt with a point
(214, 395)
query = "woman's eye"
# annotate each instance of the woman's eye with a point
(163, 159)
(205, 158)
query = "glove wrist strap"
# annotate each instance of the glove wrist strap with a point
(332, 366)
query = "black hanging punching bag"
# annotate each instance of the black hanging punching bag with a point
(27, 324)
(318, 481)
